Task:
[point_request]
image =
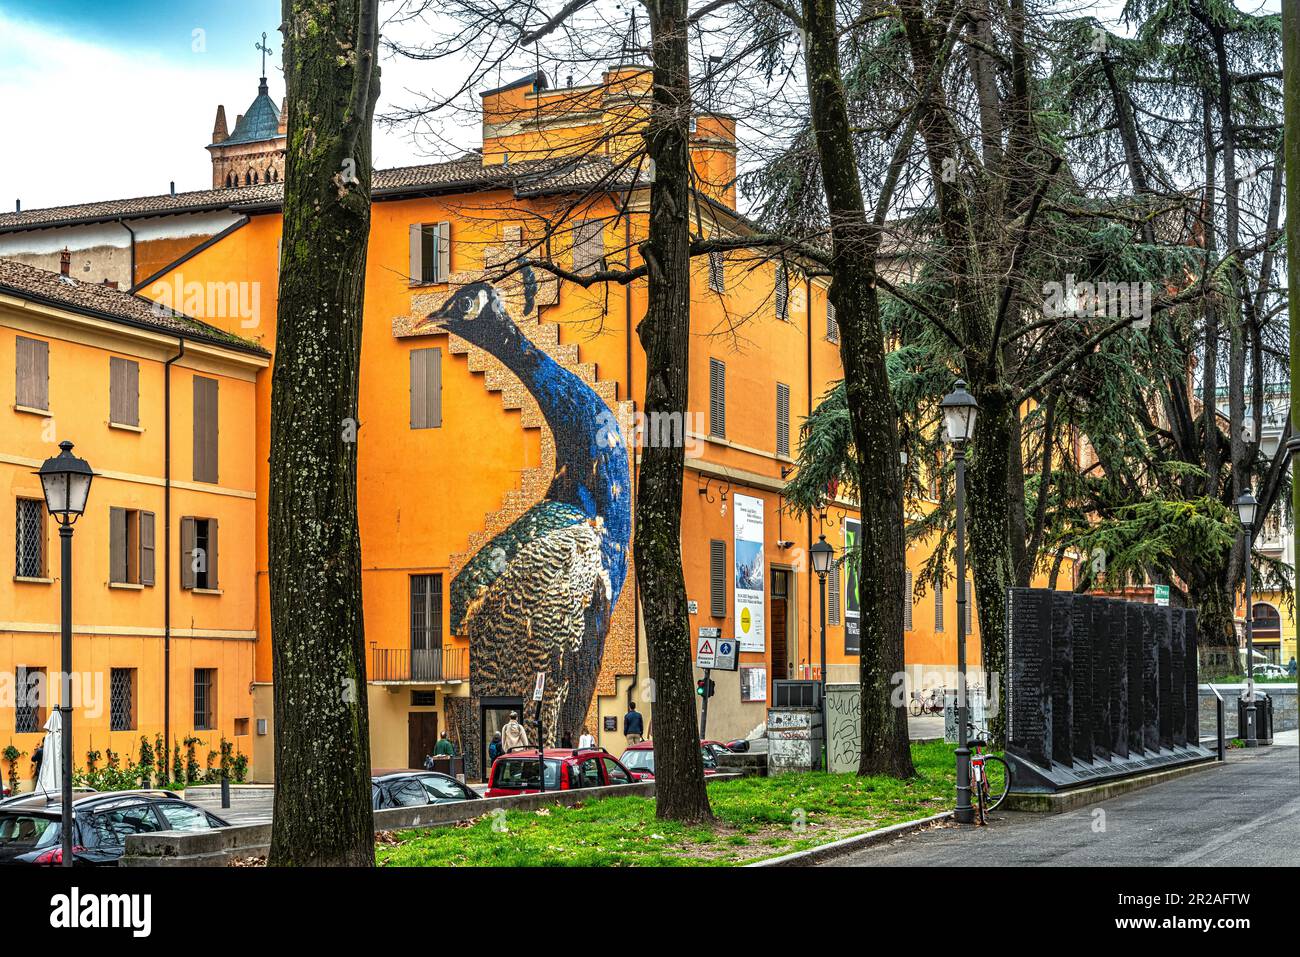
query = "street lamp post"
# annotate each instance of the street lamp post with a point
(959, 410)
(1246, 508)
(65, 480)
(823, 554)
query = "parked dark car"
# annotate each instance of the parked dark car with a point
(416, 789)
(517, 771)
(31, 833)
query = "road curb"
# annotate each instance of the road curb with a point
(844, 845)
(1073, 799)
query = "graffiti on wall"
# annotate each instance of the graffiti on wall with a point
(540, 595)
(844, 717)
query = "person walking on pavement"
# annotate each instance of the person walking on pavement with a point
(586, 739)
(513, 735)
(632, 724)
(495, 749)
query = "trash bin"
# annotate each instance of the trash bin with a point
(1263, 718)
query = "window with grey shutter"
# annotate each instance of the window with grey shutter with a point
(907, 600)
(717, 399)
(33, 377)
(205, 553)
(717, 273)
(938, 605)
(588, 245)
(782, 292)
(29, 538)
(782, 419)
(146, 548)
(426, 388)
(188, 558)
(833, 594)
(832, 325)
(718, 578)
(117, 548)
(205, 429)
(970, 605)
(430, 252)
(123, 391)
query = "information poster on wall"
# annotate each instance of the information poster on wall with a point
(749, 572)
(852, 608)
(753, 683)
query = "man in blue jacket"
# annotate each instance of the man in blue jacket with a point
(632, 726)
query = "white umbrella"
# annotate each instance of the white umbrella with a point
(49, 779)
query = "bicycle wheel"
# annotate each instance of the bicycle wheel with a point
(997, 780)
(916, 708)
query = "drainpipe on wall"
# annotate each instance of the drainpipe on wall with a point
(167, 547)
(636, 466)
(130, 284)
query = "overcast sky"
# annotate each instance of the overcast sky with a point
(116, 98)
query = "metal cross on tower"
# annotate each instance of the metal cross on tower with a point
(265, 50)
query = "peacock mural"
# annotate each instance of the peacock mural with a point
(540, 595)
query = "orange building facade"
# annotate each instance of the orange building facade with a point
(458, 449)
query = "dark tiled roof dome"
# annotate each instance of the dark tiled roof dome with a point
(260, 122)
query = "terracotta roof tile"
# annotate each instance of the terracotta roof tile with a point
(41, 285)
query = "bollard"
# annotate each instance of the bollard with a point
(1223, 743)
(225, 787)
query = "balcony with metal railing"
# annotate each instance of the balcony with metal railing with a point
(418, 666)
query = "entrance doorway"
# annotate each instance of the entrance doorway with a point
(493, 715)
(780, 623)
(421, 736)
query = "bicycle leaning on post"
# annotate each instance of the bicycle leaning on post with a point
(990, 777)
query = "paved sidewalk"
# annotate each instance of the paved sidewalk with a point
(1243, 812)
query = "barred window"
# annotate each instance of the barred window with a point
(588, 245)
(29, 713)
(426, 612)
(205, 699)
(29, 540)
(717, 274)
(121, 690)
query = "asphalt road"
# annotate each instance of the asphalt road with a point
(1245, 811)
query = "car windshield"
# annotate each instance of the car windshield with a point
(522, 773)
(442, 789)
(19, 830)
(641, 759)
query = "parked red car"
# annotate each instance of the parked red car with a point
(517, 771)
(640, 759)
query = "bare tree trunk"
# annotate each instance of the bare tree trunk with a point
(874, 419)
(322, 736)
(665, 335)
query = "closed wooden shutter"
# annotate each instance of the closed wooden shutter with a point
(718, 578)
(938, 605)
(117, 544)
(717, 399)
(123, 391)
(187, 552)
(907, 600)
(782, 419)
(833, 594)
(970, 605)
(146, 548)
(33, 379)
(832, 326)
(426, 388)
(205, 429)
(782, 292)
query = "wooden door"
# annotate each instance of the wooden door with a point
(421, 735)
(777, 628)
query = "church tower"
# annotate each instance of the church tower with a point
(254, 152)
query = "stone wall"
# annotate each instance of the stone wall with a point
(1284, 708)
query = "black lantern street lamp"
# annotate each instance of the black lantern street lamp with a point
(1246, 509)
(959, 410)
(66, 479)
(823, 554)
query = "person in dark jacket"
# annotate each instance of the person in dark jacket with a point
(495, 748)
(632, 724)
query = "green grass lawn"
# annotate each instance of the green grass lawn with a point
(756, 817)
